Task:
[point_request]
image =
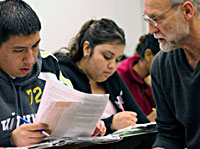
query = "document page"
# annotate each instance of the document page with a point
(138, 129)
(68, 112)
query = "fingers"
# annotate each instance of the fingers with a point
(152, 116)
(132, 113)
(28, 134)
(100, 129)
(129, 116)
(130, 121)
(124, 119)
(34, 126)
(96, 132)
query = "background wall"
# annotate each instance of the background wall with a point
(62, 19)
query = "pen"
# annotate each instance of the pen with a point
(119, 101)
(27, 122)
(120, 104)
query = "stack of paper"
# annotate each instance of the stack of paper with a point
(68, 112)
(138, 129)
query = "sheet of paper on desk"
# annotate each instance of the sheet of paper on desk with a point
(92, 140)
(138, 129)
(81, 141)
(97, 140)
(68, 112)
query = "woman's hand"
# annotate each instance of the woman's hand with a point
(100, 129)
(28, 134)
(123, 119)
(152, 116)
(147, 80)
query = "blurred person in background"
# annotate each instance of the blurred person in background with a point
(135, 72)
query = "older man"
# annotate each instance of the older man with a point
(175, 71)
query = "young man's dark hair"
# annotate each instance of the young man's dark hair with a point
(17, 18)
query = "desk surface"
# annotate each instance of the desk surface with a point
(126, 143)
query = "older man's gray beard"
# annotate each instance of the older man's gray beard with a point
(167, 45)
(175, 40)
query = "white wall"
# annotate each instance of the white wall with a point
(62, 19)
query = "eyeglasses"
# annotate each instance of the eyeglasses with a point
(153, 20)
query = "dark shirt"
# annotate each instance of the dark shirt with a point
(176, 89)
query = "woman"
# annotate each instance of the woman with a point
(135, 72)
(91, 64)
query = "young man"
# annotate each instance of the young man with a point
(175, 71)
(23, 71)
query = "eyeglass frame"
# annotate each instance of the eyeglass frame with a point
(147, 19)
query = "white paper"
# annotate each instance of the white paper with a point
(97, 139)
(68, 112)
(63, 142)
(134, 128)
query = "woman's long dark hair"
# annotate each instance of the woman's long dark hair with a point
(95, 32)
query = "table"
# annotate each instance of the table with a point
(127, 143)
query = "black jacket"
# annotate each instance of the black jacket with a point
(21, 96)
(113, 85)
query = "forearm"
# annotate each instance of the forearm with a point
(108, 122)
